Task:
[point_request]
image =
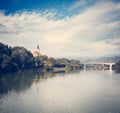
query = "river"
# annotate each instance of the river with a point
(75, 92)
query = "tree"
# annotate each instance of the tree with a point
(16, 58)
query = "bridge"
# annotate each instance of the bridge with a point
(98, 65)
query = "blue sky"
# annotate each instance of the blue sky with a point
(61, 6)
(62, 27)
(12, 6)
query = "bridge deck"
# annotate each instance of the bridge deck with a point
(99, 63)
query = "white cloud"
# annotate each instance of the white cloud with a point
(80, 35)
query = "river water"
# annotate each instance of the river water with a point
(74, 92)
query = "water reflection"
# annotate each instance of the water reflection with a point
(74, 92)
(15, 81)
(21, 81)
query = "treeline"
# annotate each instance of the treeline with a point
(117, 66)
(19, 58)
(16, 58)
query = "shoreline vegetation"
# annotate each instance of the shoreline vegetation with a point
(18, 58)
(13, 59)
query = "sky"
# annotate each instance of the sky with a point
(62, 28)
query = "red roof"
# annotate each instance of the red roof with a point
(36, 53)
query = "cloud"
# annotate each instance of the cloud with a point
(81, 4)
(3, 29)
(86, 33)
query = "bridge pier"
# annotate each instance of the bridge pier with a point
(84, 67)
(110, 67)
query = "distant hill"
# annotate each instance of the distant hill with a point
(104, 59)
(111, 58)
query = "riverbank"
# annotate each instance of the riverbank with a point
(13, 59)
